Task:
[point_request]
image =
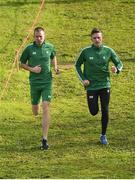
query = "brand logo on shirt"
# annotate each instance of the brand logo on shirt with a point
(33, 53)
(91, 57)
(49, 97)
(90, 97)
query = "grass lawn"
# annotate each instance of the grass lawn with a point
(75, 151)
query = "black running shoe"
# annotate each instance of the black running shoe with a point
(44, 145)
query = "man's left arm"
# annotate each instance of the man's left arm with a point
(117, 62)
(55, 65)
(54, 60)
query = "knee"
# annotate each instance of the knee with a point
(45, 107)
(93, 112)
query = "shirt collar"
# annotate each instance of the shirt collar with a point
(97, 48)
(34, 43)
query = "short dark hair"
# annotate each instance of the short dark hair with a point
(37, 29)
(95, 30)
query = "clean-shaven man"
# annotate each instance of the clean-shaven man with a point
(95, 76)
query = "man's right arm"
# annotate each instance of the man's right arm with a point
(36, 69)
(80, 74)
(24, 59)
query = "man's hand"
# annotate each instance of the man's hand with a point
(36, 69)
(86, 82)
(114, 69)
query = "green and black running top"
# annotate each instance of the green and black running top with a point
(95, 63)
(42, 55)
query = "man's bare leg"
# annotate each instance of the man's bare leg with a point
(46, 119)
(45, 123)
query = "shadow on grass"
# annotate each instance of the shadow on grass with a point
(26, 139)
(129, 59)
(18, 3)
(26, 145)
(25, 148)
(66, 1)
(26, 2)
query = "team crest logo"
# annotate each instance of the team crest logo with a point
(91, 58)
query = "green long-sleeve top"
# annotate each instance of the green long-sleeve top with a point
(95, 62)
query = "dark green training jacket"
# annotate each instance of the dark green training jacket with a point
(95, 63)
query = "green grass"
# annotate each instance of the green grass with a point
(75, 151)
